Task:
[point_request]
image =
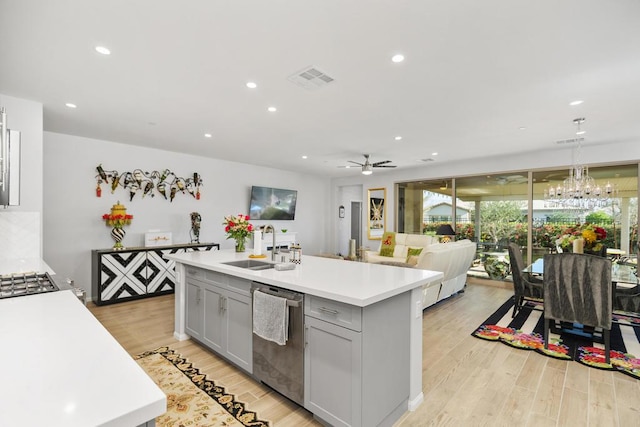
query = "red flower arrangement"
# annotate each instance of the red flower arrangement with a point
(118, 220)
(237, 227)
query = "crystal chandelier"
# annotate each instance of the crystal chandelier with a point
(579, 190)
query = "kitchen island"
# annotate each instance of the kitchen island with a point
(381, 334)
(47, 340)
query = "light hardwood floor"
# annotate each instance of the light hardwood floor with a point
(466, 381)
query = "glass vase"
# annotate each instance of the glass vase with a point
(240, 244)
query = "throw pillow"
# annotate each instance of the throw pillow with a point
(412, 255)
(388, 244)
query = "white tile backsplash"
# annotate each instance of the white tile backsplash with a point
(19, 235)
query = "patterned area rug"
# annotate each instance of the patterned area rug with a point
(192, 399)
(568, 342)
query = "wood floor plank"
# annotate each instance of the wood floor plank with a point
(466, 381)
(546, 403)
(574, 408)
(601, 404)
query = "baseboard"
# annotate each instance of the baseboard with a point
(180, 337)
(415, 402)
(488, 282)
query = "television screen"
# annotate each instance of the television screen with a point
(272, 203)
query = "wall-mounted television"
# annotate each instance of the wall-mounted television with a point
(272, 203)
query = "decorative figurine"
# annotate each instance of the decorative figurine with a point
(132, 191)
(162, 189)
(117, 219)
(114, 183)
(195, 227)
(101, 172)
(147, 189)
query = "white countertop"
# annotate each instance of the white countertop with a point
(351, 282)
(24, 265)
(60, 367)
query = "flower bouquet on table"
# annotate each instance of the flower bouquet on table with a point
(591, 235)
(237, 228)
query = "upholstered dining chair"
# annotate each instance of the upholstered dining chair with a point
(578, 289)
(525, 286)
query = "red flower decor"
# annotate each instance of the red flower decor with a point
(237, 227)
(117, 221)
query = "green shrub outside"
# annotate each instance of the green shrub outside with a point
(543, 236)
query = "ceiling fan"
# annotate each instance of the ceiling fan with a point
(367, 166)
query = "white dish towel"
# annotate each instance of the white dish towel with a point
(270, 317)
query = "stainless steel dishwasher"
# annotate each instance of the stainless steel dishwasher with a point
(281, 367)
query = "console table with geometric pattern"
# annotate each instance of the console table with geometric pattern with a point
(133, 273)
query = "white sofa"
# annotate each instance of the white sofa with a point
(453, 259)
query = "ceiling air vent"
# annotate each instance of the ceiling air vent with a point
(569, 141)
(310, 78)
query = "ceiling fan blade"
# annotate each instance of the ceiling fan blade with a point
(381, 163)
(356, 163)
(384, 166)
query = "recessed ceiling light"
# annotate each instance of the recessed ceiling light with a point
(103, 50)
(435, 153)
(251, 85)
(397, 58)
(398, 138)
(576, 102)
(70, 105)
(304, 157)
(272, 109)
(581, 132)
(207, 135)
(522, 128)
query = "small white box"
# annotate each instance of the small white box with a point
(157, 238)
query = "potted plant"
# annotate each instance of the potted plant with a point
(497, 267)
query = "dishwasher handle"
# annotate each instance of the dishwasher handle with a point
(290, 302)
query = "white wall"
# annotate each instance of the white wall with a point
(623, 152)
(73, 224)
(21, 226)
(346, 195)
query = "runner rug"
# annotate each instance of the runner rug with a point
(526, 331)
(192, 399)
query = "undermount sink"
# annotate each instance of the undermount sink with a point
(250, 264)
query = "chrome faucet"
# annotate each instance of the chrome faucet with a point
(274, 249)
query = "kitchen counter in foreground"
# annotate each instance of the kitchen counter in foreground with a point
(46, 341)
(349, 282)
(386, 362)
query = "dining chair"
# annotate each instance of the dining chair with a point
(578, 289)
(525, 286)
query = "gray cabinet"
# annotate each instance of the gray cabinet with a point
(194, 317)
(332, 382)
(356, 361)
(218, 314)
(119, 275)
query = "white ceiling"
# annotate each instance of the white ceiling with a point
(475, 73)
